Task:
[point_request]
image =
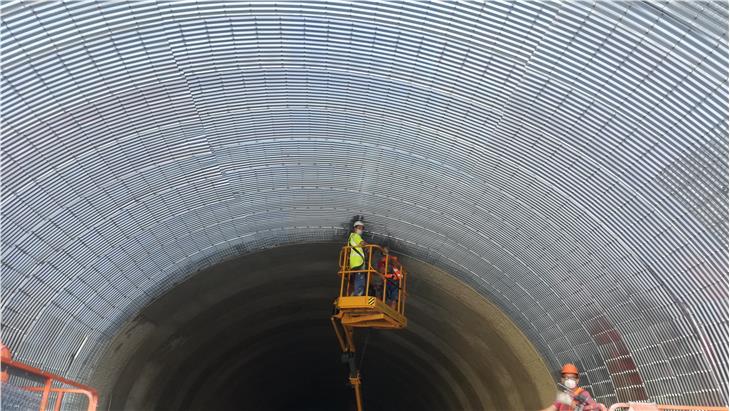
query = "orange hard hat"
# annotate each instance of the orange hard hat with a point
(569, 369)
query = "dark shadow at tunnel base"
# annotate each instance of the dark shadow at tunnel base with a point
(253, 333)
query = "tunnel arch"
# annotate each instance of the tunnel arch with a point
(567, 161)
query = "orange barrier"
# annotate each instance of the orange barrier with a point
(648, 406)
(6, 362)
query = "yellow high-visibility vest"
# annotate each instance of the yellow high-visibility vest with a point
(357, 255)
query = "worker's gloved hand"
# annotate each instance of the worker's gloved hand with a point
(565, 398)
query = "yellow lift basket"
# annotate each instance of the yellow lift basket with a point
(380, 307)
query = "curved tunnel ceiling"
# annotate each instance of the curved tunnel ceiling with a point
(568, 161)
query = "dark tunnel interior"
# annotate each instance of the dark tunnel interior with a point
(254, 333)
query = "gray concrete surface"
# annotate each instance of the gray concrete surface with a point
(254, 334)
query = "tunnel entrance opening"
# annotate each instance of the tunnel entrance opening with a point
(254, 333)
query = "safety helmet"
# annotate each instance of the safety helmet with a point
(569, 369)
(358, 223)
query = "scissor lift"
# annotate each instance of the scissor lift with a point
(371, 310)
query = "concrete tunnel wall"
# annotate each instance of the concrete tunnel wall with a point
(568, 161)
(255, 331)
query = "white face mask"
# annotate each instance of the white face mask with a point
(359, 231)
(571, 383)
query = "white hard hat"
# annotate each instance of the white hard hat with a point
(357, 223)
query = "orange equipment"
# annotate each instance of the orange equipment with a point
(6, 358)
(352, 312)
(569, 369)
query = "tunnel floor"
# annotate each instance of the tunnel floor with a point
(254, 334)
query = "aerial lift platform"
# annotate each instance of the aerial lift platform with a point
(372, 310)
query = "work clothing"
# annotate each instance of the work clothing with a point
(393, 267)
(359, 281)
(392, 293)
(357, 262)
(580, 396)
(393, 276)
(357, 254)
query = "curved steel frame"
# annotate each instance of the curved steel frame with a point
(567, 160)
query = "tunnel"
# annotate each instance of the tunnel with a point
(178, 179)
(257, 327)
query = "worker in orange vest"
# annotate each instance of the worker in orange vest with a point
(392, 276)
(573, 397)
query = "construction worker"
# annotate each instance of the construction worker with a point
(392, 276)
(573, 398)
(357, 257)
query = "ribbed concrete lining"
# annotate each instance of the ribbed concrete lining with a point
(255, 331)
(568, 160)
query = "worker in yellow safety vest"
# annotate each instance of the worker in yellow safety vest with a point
(357, 257)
